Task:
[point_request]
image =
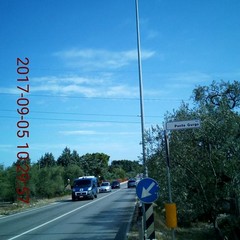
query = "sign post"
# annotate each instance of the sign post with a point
(171, 211)
(147, 191)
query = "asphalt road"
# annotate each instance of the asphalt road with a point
(104, 218)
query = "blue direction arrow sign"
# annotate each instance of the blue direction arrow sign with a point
(147, 190)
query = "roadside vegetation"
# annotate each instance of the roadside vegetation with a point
(204, 162)
(53, 178)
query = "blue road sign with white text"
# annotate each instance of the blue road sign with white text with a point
(147, 190)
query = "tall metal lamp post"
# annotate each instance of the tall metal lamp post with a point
(141, 111)
(140, 88)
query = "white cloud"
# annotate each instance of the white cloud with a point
(122, 90)
(92, 82)
(106, 85)
(101, 59)
(69, 79)
(64, 79)
(87, 87)
(9, 90)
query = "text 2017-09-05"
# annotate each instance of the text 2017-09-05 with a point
(23, 133)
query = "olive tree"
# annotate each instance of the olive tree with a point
(204, 162)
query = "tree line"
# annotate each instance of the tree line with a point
(204, 162)
(50, 177)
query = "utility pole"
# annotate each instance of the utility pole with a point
(140, 88)
(148, 226)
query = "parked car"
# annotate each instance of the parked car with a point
(105, 187)
(115, 184)
(132, 183)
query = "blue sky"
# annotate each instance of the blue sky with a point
(84, 91)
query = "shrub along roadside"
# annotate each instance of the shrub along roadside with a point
(49, 178)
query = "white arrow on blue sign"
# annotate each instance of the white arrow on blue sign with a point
(147, 190)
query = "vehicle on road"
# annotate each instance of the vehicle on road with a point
(115, 184)
(105, 187)
(132, 183)
(85, 188)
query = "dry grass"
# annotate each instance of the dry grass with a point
(7, 208)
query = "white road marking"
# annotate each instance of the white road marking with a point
(65, 214)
